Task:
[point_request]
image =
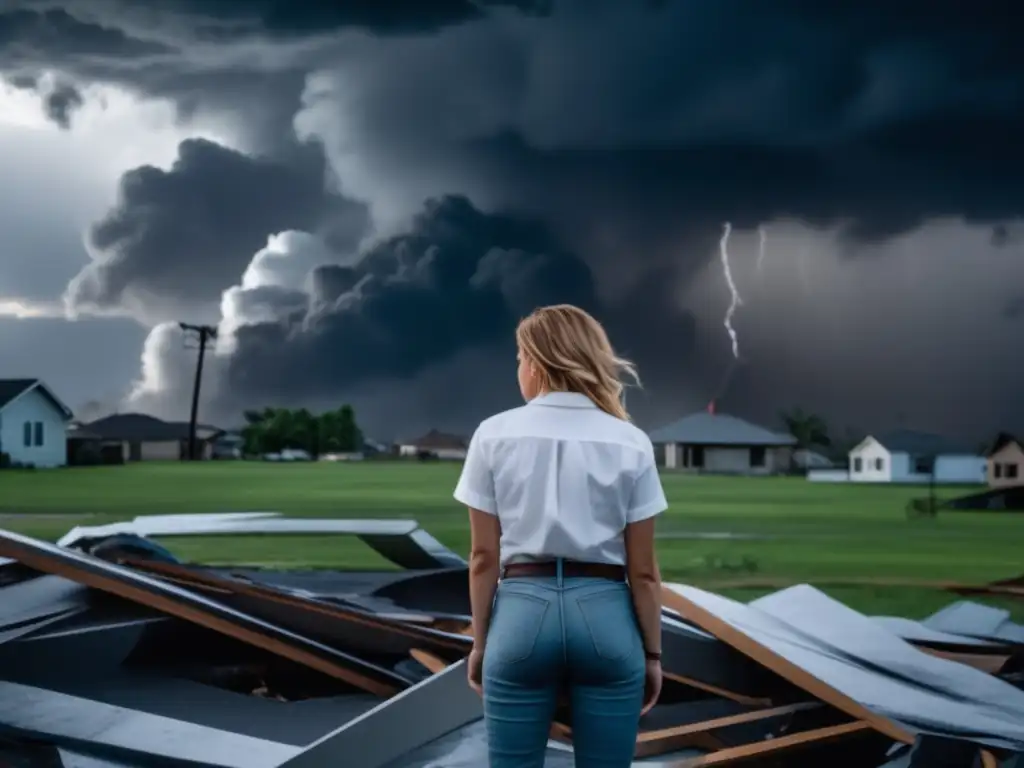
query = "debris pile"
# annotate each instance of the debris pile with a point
(113, 654)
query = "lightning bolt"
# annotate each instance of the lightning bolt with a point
(735, 301)
(762, 233)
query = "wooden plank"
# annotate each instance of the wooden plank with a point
(739, 698)
(782, 666)
(695, 734)
(658, 741)
(775, 747)
(427, 636)
(197, 609)
(434, 664)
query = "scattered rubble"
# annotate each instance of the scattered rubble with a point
(115, 655)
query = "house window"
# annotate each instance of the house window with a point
(997, 469)
(39, 433)
(879, 464)
(923, 465)
(27, 434)
(858, 464)
(1011, 471)
(757, 456)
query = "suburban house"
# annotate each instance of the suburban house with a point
(138, 437)
(716, 442)
(435, 444)
(906, 456)
(1005, 462)
(33, 424)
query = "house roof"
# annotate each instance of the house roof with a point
(141, 427)
(11, 389)
(703, 428)
(921, 443)
(439, 440)
(1002, 440)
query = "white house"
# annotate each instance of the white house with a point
(33, 424)
(914, 457)
(718, 443)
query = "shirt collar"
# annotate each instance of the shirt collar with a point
(563, 400)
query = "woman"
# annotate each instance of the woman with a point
(562, 495)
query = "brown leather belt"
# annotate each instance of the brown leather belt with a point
(570, 570)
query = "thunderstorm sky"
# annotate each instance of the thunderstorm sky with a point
(366, 200)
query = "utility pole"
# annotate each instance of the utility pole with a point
(204, 334)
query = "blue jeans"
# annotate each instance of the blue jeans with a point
(553, 635)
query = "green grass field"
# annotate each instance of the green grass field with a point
(795, 531)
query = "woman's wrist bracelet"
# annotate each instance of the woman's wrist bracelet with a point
(652, 655)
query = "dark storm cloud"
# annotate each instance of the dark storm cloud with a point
(152, 50)
(289, 17)
(615, 137)
(93, 27)
(679, 118)
(186, 234)
(27, 34)
(456, 283)
(458, 278)
(1014, 309)
(60, 98)
(61, 102)
(654, 117)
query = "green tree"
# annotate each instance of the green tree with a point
(330, 431)
(254, 431)
(273, 430)
(809, 429)
(304, 432)
(350, 437)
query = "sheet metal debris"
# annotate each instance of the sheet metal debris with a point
(113, 654)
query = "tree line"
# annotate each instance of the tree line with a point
(273, 430)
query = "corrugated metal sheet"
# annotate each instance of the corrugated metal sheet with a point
(858, 659)
(182, 672)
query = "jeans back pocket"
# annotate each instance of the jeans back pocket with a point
(608, 616)
(515, 626)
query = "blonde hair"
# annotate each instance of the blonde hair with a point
(572, 354)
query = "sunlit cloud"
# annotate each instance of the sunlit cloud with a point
(24, 310)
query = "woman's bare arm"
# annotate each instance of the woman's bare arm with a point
(484, 570)
(644, 581)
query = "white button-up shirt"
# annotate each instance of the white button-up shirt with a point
(564, 479)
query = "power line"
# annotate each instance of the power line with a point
(204, 334)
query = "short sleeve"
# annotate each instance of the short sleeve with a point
(648, 498)
(476, 484)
